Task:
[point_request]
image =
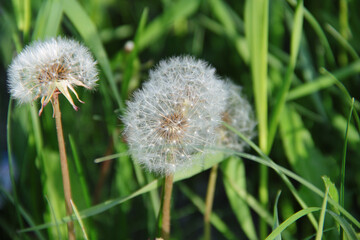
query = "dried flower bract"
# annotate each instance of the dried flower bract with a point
(44, 68)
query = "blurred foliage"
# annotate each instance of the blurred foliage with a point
(312, 73)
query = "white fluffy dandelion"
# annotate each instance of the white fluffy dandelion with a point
(175, 115)
(43, 68)
(239, 114)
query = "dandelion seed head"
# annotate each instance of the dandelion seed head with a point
(57, 64)
(175, 115)
(239, 114)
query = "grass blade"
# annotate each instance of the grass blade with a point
(179, 10)
(129, 68)
(293, 218)
(11, 168)
(350, 232)
(214, 219)
(319, 233)
(234, 170)
(343, 165)
(276, 215)
(209, 161)
(256, 26)
(333, 193)
(256, 22)
(87, 29)
(24, 213)
(343, 42)
(324, 81)
(48, 20)
(79, 220)
(80, 172)
(269, 163)
(54, 216)
(222, 12)
(283, 92)
(318, 30)
(250, 200)
(275, 167)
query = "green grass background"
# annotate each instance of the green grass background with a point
(298, 63)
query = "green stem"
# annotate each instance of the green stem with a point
(209, 201)
(64, 165)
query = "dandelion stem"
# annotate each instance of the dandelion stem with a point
(64, 164)
(209, 201)
(165, 226)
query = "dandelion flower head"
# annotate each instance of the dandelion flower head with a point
(239, 114)
(175, 115)
(45, 67)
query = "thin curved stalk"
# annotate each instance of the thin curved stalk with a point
(64, 164)
(209, 201)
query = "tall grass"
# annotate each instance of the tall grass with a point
(298, 63)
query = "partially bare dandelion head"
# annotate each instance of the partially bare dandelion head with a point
(175, 115)
(239, 114)
(43, 68)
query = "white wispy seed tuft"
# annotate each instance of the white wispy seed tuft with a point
(175, 115)
(239, 114)
(43, 68)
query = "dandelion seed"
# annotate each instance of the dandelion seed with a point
(175, 115)
(44, 68)
(238, 114)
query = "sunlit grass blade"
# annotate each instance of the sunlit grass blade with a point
(129, 68)
(318, 30)
(300, 180)
(333, 192)
(54, 217)
(349, 231)
(80, 172)
(265, 160)
(319, 233)
(293, 218)
(280, 100)
(256, 33)
(48, 20)
(87, 29)
(324, 81)
(214, 219)
(22, 10)
(110, 157)
(11, 29)
(250, 200)
(256, 22)
(179, 10)
(209, 161)
(77, 215)
(301, 150)
(234, 170)
(276, 215)
(281, 173)
(222, 12)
